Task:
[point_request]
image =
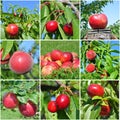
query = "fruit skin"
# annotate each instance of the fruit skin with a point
(62, 101)
(6, 59)
(90, 68)
(12, 29)
(67, 65)
(47, 70)
(98, 21)
(105, 110)
(95, 90)
(52, 107)
(90, 54)
(28, 109)
(10, 100)
(66, 56)
(56, 55)
(20, 62)
(67, 28)
(51, 26)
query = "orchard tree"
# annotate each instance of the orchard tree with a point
(99, 60)
(60, 19)
(19, 23)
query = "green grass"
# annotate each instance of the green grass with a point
(68, 46)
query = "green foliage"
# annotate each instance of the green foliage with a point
(28, 22)
(63, 14)
(105, 62)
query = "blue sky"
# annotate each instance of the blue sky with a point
(112, 11)
(28, 4)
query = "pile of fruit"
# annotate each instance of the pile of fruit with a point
(10, 101)
(58, 59)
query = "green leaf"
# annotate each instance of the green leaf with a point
(44, 11)
(68, 14)
(96, 98)
(2, 33)
(7, 45)
(108, 60)
(62, 32)
(95, 112)
(75, 24)
(34, 98)
(22, 99)
(114, 74)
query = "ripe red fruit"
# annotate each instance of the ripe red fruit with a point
(52, 107)
(12, 29)
(76, 63)
(66, 56)
(47, 70)
(62, 101)
(56, 55)
(51, 26)
(67, 65)
(20, 62)
(105, 110)
(95, 90)
(54, 64)
(67, 28)
(90, 68)
(28, 109)
(90, 54)
(6, 59)
(10, 100)
(98, 21)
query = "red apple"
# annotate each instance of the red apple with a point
(48, 56)
(28, 109)
(90, 68)
(74, 54)
(98, 21)
(66, 56)
(47, 70)
(58, 62)
(54, 64)
(6, 59)
(67, 65)
(10, 100)
(56, 55)
(44, 63)
(76, 64)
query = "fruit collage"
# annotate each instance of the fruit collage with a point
(59, 59)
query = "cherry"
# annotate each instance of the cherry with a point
(67, 28)
(90, 68)
(12, 29)
(20, 62)
(95, 90)
(105, 110)
(28, 109)
(52, 107)
(90, 54)
(62, 101)
(10, 100)
(6, 59)
(51, 26)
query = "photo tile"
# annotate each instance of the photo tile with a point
(60, 60)
(100, 19)
(20, 19)
(99, 99)
(22, 96)
(100, 59)
(20, 59)
(59, 97)
(60, 20)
